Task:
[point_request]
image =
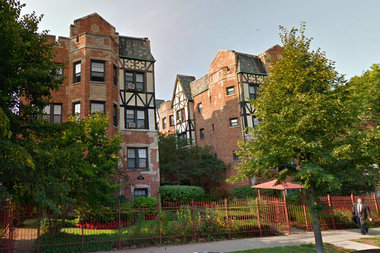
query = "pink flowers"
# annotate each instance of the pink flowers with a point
(109, 225)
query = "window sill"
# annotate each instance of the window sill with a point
(230, 95)
(98, 82)
(234, 126)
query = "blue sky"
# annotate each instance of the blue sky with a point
(186, 35)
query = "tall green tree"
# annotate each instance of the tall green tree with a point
(27, 73)
(188, 165)
(308, 120)
(55, 167)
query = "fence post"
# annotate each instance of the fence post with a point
(82, 240)
(119, 239)
(193, 214)
(10, 239)
(227, 218)
(352, 198)
(258, 216)
(286, 213)
(376, 204)
(332, 209)
(159, 218)
(304, 209)
(38, 232)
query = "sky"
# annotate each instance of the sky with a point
(186, 35)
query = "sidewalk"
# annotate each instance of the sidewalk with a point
(341, 238)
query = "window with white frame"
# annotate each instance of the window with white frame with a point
(140, 192)
(134, 81)
(234, 122)
(76, 108)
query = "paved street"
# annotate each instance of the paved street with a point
(341, 238)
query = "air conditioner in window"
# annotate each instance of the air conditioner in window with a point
(132, 125)
(131, 86)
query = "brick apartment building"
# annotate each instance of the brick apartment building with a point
(113, 74)
(215, 109)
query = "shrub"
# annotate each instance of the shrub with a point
(218, 193)
(244, 192)
(181, 193)
(145, 202)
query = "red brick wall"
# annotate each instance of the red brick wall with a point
(93, 38)
(165, 111)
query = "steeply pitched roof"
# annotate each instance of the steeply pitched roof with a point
(198, 86)
(185, 82)
(248, 63)
(136, 48)
(158, 102)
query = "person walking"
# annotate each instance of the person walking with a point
(360, 213)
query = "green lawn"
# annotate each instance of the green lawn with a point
(305, 248)
(375, 241)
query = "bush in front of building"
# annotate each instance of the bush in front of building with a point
(244, 192)
(181, 193)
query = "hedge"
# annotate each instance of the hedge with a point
(181, 193)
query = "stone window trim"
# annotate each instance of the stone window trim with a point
(199, 107)
(141, 186)
(97, 70)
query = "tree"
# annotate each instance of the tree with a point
(54, 167)
(27, 72)
(188, 165)
(308, 125)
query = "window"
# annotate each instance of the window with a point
(235, 156)
(254, 89)
(200, 107)
(137, 158)
(135, 118)
(234, 122)
(53, 113)
(98, 107)
(134, 81)
(77, 71)
(140, 192)
(182, 135)
(230, 90)
(59, 75)
(164, 123)
(213, 128)
(202, 133)
(180, 115)
(114, 75)
(97, 71)
(76, 108)
(114, 115)
(171, 120)
(255, 121)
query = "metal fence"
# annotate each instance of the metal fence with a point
(121, 226)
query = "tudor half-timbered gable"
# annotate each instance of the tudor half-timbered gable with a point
(138, 116)
(183, 108)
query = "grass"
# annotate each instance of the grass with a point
(304, 248)
(375, 241)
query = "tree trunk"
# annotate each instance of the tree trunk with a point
(316, 226)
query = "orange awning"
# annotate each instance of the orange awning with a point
(274, 186)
